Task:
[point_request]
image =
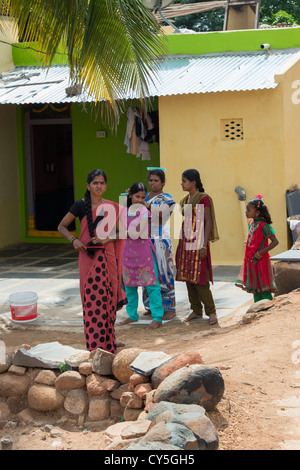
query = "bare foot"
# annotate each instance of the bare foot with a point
(213, 319)
(191, 316)
(154, 325)
(120, 345)
(169, 315)
(146, 313)
(127, 321)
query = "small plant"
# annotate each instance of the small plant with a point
(63, 367)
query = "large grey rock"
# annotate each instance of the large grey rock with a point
(174, 434)
(46, 355)
(195, 384)
(168, 411)
(154, 445)
(191, 416)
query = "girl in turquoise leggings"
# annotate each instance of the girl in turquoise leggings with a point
(139, 260)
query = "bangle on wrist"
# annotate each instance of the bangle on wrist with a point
(72, 240)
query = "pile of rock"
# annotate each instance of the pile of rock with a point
(147, 399)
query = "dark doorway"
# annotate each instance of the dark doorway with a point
(52, 173)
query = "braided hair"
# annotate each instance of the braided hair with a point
(260, 206)
(88, 204)
(193, 175)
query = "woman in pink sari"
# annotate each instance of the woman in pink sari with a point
(100, 261)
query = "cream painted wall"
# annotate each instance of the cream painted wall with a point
(291, 120)
(191, 138)
(9, 178)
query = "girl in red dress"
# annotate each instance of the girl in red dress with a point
(256, 275)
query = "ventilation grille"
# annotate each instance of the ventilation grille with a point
(232, 129)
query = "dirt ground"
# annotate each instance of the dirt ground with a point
(259, 361)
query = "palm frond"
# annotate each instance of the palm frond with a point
(112, 46)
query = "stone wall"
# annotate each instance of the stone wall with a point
(103, 387)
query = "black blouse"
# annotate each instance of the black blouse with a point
(78, 209)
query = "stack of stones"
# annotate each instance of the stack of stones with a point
(100, 387)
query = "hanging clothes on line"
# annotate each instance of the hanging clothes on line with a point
(139, 133)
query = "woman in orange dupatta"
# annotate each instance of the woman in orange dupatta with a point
(100, 262)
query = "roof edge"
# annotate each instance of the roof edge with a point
(278, 76)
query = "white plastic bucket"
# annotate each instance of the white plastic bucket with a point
(23, 306)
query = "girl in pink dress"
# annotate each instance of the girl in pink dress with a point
(139, 261)
(256, 275)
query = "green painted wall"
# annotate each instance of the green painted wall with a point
(230, 41)
(28, 54)
(109, 154)
(197, 43)
(89, 152)
(22, 170)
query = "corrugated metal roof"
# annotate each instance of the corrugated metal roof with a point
(32, 85)
(208, 73)
(213, 73)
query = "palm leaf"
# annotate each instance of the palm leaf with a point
(112, 46)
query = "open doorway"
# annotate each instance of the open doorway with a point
(49, 171)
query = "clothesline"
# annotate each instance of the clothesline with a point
(141, 130)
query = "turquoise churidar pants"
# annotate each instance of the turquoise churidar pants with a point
(155, 299)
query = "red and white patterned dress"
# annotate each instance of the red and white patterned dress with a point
(100, 284)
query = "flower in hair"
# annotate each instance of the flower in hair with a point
(259, 196)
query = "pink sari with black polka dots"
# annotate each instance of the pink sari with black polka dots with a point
(100, 287)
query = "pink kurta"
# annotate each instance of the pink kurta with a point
(137, 260)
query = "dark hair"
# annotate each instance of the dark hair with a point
(88, 205)
(92, 174)
(260, 206)
(159, 173)
(135, 188)
(193, 175)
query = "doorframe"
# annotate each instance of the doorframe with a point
(31, 231)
